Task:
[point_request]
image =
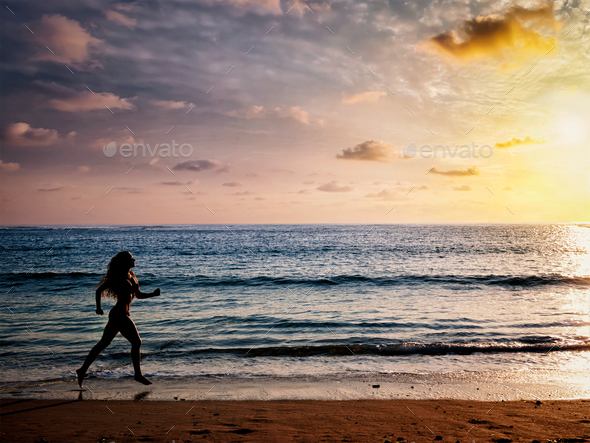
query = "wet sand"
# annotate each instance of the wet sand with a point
(481, 386)
(26, 420)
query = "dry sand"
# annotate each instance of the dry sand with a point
(294, 421)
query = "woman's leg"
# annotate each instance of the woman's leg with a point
(110, 331)
(129, 331)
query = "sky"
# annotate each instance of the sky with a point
(281, 111)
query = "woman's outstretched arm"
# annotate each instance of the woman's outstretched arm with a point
(142, 295)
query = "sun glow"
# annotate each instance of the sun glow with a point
(573, 129)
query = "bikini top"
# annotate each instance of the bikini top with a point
(126, 288)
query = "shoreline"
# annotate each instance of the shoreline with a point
(290, 421)
(481, 386)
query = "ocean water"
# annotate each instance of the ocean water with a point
(253, 301)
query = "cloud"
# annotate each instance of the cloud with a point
(170, 104)
(270, 5)
(130, 190)
(512, 35)
(333, 187)
(232, 184)
(457, 172)
(127, 7)
(121, 19)
(83, 169)
(369, 96)
(204, 164)
(56, 189)
(70, 100)
(518, 142)
(70, 43)
(177, 183)
(22, 134)
(264, 7)
(87, 101)
(243, 193)
(54, 88)
(294, 112)
(101, 143)
(369, 150)
(462, 188)
(422, 188)
(251, 112)
(386, 194)
(507, 188)
(8, 167)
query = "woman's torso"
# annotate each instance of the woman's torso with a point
(125, 290)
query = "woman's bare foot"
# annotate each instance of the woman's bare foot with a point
(81, 375)
(142, 380)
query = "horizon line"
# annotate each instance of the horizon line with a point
(288, 224)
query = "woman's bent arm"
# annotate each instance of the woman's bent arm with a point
(98, 297)
(142, 295)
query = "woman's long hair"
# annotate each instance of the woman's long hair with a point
(117, 271)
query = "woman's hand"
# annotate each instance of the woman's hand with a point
(99, 311)
(157, 292)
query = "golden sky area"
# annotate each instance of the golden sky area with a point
(507, 38)
(293, 112)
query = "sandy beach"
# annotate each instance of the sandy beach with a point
(294, 421)
(490, 407)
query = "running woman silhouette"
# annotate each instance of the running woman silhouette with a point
(121, 284)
